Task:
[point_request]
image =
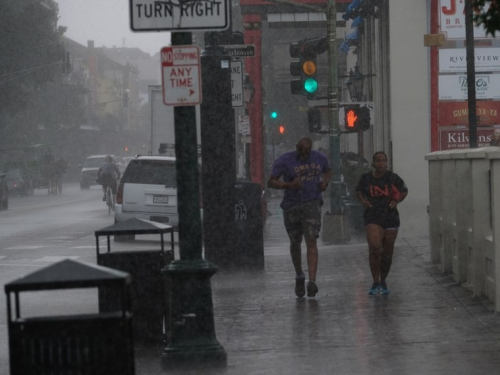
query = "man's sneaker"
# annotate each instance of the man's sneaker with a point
(300, 285)
(374, 289)
(312, 289)
(383, 289)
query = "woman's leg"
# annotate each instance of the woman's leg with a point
(387, 252)
(374, 236)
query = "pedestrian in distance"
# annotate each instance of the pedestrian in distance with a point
(305, 175)
(380, 192)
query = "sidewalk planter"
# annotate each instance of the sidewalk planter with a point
(464, 217)
(72, 344)
(149, 289)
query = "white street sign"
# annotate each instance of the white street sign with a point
(244, 122)
(181, 76)
(237, 83)
(157, 15)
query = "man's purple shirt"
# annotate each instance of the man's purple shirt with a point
(310, 172)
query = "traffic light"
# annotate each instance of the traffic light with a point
(357, 118)
(281, 129)
(314, 120)
(274, 115)
(306, 68)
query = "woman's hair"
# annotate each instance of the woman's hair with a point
(377, 154)
(108, 158)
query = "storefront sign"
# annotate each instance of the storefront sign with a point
(459, 138)
(457, 113)
(453, 20)
(454, 87)
(454, 60)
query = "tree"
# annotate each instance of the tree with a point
(30, 59)
(487, 14)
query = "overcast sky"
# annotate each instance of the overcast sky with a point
(106, 22)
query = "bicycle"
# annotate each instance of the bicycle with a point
(110, 200)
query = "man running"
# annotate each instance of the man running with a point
(306, 175)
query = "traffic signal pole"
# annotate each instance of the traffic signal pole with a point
(333, 107)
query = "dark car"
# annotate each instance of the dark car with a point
(18, 184)
(4, 192)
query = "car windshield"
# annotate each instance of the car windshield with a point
(13, 175)
(93, 162)
(154, 172)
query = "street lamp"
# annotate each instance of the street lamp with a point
(355, 85)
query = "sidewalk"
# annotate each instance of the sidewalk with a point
(428, 325)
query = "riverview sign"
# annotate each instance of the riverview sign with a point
(454, 60)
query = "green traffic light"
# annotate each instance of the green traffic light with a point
(310, 85)
(274, 114)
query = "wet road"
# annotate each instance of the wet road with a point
(428, 325)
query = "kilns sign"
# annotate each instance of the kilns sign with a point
(453, 20)
(459, 138)
(457, 113)
(181, 76)
(454, 87)
(454, 60)
(156, 15)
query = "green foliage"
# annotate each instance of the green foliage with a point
(489, 18)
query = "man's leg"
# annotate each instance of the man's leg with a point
(295, 235)
(312, 257)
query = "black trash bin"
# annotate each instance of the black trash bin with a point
(89, 344)
(149, 290)
(249, 238)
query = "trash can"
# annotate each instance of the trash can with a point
(149, 289)
(249, 238)
(71, 344)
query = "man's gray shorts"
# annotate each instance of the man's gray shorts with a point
(303, 220)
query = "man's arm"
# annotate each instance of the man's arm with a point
(327, 175)
(275, 183)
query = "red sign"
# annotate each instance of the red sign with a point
(450, 139)
(181, 75)
(457, 113)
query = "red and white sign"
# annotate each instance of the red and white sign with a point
(452, 19)
(181, 75)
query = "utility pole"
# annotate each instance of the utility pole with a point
(471, 73)
(335, 220)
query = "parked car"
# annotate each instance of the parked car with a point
(18, 184)
(148, 190)
(4, 192)
(88, 175)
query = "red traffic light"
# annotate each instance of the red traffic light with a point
(282, 129)
(350, 118)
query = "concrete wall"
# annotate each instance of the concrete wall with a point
(465, 217)
(410, 109)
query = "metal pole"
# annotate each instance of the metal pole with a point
(333, 107)
(471, 74)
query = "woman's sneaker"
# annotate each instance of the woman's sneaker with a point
(383, 289)
(300, 285)
(374, 289)
(312, 289)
